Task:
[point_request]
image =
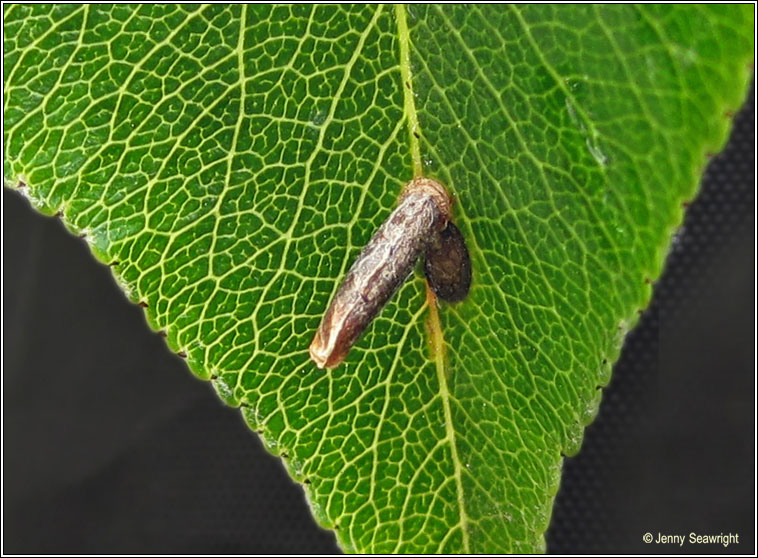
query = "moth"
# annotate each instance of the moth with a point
(420, 224)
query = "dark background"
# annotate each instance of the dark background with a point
(111, 445)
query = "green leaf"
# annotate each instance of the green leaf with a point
(229, 162)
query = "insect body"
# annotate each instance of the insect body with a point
(447, 265)
(383, 265)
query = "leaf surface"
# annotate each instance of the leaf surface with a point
(229, 162)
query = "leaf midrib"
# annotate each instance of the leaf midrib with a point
(437, 340)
